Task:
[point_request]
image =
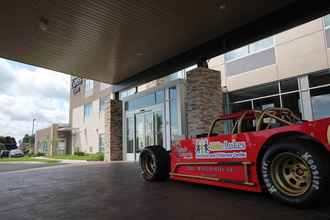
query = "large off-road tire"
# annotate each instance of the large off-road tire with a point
(297, 173)
(155, 163)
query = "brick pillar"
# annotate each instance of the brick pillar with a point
(204, 99)
(114, 131)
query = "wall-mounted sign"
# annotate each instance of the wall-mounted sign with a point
(76, 84)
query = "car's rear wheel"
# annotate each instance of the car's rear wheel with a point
(296, 172)
(155, 163)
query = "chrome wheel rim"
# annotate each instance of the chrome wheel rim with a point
(291, 174)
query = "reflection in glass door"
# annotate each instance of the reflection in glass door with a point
(139, 132)
(149, 130)
(130, 138)
(159, 128)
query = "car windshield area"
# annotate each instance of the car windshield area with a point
(253, 120)
(223, 126)
(275, 118)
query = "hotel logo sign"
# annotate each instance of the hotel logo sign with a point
(76, 85)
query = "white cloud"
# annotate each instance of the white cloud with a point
(28, 92)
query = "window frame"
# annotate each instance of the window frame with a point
(103, 99)
(249, 50)
(326, 26)
(88, 87)
(85, 111)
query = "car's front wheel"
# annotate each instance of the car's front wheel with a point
(155, 163)
(296, 173)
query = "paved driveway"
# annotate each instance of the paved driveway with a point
(115, 191)
(12, 166)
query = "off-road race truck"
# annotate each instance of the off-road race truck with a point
(271, 150)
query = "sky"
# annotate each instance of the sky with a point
(28, 92)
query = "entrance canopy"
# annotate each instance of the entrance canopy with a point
(129, 42)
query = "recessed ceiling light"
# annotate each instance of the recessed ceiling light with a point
(43, 23)
(222, 6)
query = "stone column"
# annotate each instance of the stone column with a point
(203, 101)
(114, 131)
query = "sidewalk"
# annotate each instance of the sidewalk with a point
(62, 161)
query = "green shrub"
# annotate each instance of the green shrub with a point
(39, 154)
(79, 153)
(99, 156)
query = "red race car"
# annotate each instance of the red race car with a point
(271, 150)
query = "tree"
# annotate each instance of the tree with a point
(28, 139)
(8, 142)
(27, 143)
(2, 147)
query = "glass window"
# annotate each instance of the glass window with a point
(289, 85)
(261, 45)
(149, 128)
(250, 49)
(318, 79)
(89, 85)
(292, 102)
(103, 103)
(140, 132)
(159, 128)
(101, 143)
(321, 102)
(327, 21)
(235, 54)
(176, 75)
(129, 105)
(87, 111)
(262, 104)
(174, 115)
(254, 92)
(144, 101)
(127, 93)
(239, 107)
(159, 96)
(140, 102)
(130, 134)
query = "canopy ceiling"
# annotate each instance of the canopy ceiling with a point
(128, 42)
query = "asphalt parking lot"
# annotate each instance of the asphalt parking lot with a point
(116, 191)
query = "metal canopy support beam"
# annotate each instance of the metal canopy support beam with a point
(297, 13)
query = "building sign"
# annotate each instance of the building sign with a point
(76, 85)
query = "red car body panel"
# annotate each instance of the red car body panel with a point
(232, 160)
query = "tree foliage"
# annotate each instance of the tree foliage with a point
(8, 142)
(28, 139)
(2, 147)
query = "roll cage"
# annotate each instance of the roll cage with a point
(256, 120)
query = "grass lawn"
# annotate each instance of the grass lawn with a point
(89, 157)
(28, 159)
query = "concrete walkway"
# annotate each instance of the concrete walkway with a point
(62, 161)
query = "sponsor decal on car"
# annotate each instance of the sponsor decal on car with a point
(183, 152)
(226, 146)
(217, 149)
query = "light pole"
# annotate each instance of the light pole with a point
(33, 121)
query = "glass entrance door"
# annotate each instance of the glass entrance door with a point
(149, 130)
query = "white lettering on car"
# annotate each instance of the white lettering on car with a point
(271, 189)
(315, 170)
